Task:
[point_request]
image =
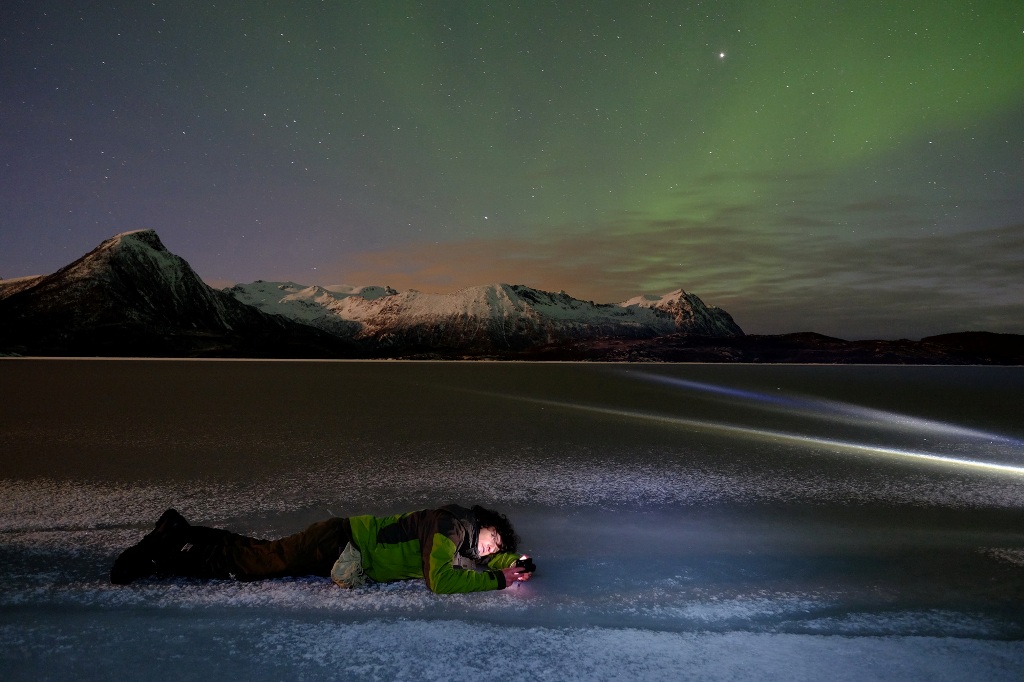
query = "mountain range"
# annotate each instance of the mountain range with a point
(495, 318)
(130, 296)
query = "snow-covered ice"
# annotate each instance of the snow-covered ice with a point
(689, 522)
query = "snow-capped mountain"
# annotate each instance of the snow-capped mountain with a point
(498, 316)
(131, 296)
(131, 292)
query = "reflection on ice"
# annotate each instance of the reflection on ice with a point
(762, 434)
(829, 410)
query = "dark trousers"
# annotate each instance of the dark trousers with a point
(216, 553)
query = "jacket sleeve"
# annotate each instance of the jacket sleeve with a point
(443, 577)
(502, 560)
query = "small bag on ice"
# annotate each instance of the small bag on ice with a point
(348, 569)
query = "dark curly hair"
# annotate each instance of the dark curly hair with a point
(488, 518)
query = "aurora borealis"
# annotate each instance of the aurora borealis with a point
(852, 168)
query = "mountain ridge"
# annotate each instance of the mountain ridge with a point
(496, 316)
(130, 296)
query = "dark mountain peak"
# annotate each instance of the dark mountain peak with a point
(130, 292)
(130, 277)
(135, 255)
(145, 239)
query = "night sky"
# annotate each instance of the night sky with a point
(852, 167)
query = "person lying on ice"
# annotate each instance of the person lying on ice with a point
(438, 545)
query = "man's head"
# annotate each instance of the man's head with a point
(496, 533)
(488, 541)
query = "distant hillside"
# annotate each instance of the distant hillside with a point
(967, 348)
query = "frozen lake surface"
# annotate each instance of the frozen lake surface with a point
(709, 522)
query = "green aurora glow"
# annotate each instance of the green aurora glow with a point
(849, 167)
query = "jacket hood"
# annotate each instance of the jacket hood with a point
(465, 518)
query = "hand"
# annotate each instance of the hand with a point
(514, 574)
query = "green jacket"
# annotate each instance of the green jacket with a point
(438, 545)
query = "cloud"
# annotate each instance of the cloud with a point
(908, 284)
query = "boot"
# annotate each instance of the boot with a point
(144, 558)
